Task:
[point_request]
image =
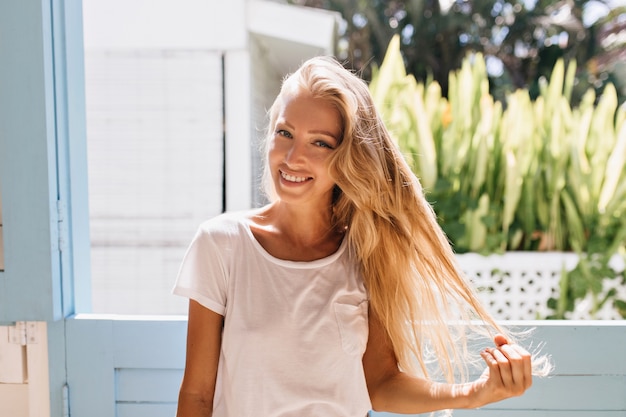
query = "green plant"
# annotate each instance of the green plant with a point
(536, 175)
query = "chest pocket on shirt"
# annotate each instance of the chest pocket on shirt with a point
(353, 327)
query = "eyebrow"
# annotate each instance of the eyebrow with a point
(323, 132)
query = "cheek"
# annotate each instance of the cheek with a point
(273, 152)
(279, 145)
(326, 163)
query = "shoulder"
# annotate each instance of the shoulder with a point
(226, 224)
(218, 240)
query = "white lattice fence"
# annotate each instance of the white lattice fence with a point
(517, 285)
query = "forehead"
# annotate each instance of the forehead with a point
(301, 106)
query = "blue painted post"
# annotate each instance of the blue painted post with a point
(30, 284)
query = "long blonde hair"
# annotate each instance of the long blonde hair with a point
(415, 287)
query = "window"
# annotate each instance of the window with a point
(159, 128)
(155, 153)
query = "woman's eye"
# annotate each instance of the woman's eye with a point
(284, 133)
(323, 144)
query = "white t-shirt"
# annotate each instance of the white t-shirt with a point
(294, 332)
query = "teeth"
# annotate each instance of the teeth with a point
(292, 178)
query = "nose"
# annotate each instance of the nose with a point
(295, 153)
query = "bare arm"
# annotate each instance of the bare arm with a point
(508, 374)
(204, 339)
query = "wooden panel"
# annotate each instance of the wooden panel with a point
(71, 155)
(589, 378)
(147, 385)
(134, 342)
(563, 394)
(581, 347)
(90, 370)
(121, 364)
(577, 347)
(14, 400)
(126, 364)
(145, 410)
(12, 359)
(38, 374)
(597, 392)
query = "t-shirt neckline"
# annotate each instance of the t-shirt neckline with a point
(287, 263)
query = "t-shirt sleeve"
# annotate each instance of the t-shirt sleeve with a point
(202, 275)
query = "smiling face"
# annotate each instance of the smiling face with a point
(306, 132)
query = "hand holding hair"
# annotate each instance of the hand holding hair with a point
(508, 373)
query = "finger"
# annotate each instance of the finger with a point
(520, 366)
(510, 351)
(526, 365)
(517, 364)
(504, 364)
(500, 340)
(492, 364)
(499, 367)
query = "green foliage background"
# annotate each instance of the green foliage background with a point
(524, 38)
(538, 175)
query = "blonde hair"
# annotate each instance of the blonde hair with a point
(415, 286)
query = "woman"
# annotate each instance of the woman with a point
(333, 299)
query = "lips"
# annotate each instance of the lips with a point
(293, 178)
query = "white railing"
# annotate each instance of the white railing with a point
(518, 285)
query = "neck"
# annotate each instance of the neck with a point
(303, 225)
(296, 233)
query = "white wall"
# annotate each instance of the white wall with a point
(165, 24)
(154, 108)
(176, 100)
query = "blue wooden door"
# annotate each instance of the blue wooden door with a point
(125, 367)
(30, 281)
(108, 366)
